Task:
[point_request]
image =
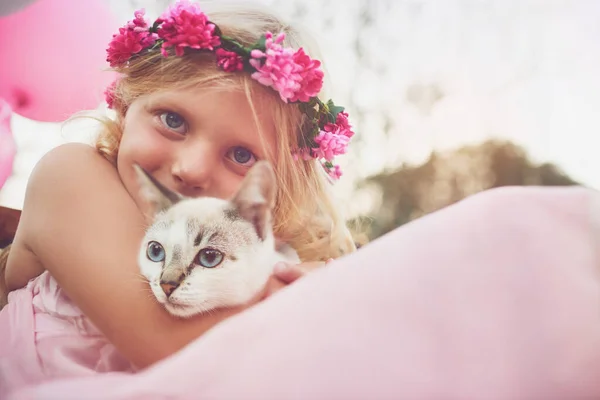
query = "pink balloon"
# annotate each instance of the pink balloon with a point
(7, 143)
(53, 56)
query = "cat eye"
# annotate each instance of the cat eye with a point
(209, 258)
(155, 252)
(173, 121)
(242, 156)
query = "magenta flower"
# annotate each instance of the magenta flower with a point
(109, 94)
(343, 125)
(311, 76)
(229, 61)
(276, 67)
(131, 39)
(138, 22)
(330, 144)
(185, 25)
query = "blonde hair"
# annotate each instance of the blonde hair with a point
(305, 215)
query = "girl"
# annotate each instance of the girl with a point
(200, 98)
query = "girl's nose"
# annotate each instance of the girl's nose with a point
(193, 171)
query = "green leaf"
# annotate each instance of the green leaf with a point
(333, 111)
(233, 45)
(261, 44)
(154, 27)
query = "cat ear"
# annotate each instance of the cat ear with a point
(256, 197)
(154, 193)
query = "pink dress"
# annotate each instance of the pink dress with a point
(44, 337)
(496, 297)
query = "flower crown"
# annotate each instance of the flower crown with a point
(292, 73)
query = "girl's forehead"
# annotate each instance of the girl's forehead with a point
(225, 94)
(197, 92)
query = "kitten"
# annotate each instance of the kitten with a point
(206, 253)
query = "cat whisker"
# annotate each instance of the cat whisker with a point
(148, 289)
(138, 277)
(210, 312)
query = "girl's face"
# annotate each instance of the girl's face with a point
(195, 142)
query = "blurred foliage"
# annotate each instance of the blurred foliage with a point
(410, 192)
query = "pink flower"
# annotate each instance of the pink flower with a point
(294, 75)
(138, 22)
(330, 144)
(185, 25)
(229, 61)
(343, 125)
(131, 39)
(276, 67)
(109, 94)
(335, 172)
(311, 76)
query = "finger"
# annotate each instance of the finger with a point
(287, 273)
(273, 285)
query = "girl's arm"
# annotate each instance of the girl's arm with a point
(83, 227)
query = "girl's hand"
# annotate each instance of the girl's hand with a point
(285, 273)
(289, 273)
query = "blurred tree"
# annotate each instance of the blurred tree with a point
(413, 191)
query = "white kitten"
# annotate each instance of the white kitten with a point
(205, 253)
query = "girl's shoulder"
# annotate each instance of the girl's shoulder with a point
(71, 172)
(77, 158)
(69, 189)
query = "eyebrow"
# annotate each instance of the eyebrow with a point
(171, 102)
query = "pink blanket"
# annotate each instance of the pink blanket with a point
(495, 297)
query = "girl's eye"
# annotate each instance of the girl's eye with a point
(173, 121)
(242, 156)
(209, 258)
(155, 252)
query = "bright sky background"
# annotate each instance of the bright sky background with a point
(526, 70)
(444, 73)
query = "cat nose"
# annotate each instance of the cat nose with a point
(168, 287)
